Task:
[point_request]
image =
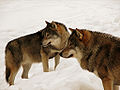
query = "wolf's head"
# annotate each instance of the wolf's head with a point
(52, 34)
(77, 42)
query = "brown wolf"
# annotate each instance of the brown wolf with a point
(96, 52)
(37, 47)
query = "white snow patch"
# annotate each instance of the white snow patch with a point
(22, 17)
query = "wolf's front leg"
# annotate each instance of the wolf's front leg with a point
(57, 60)
(107, 83)
(106, 77)
(44, 58)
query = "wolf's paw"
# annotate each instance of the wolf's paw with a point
(24, 76)
(11, 83)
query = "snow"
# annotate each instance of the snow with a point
(22, 17)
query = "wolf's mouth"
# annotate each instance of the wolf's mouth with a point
(70, 56)
(47, 44)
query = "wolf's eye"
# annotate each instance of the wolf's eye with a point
(47, 34)
(53, 26)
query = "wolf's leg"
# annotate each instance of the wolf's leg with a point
(13, 73)
(107, 83)
(44, 58)
(115, 87)
(57, 59)
(45, 63)
(26, 68)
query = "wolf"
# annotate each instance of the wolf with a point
(96, 52)
(34, 48)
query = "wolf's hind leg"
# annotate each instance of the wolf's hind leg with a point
(57, 60)
(26, 68)
(13, 73)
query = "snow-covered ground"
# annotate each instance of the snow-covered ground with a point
(22, 17)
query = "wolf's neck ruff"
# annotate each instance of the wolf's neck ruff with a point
(60, 48)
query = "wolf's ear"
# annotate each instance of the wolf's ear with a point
(87, 36)
(71, 29)
(77, 29)
(53, 25)
(47, 22)
(80, 35)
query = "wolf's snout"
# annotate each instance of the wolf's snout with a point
(66, 54)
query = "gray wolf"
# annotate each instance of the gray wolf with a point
(96, 52)
(37, 47)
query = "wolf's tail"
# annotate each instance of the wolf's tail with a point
(7, 56)
(7, 72)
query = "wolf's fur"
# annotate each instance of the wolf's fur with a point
(31, 48)
(96, 52)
